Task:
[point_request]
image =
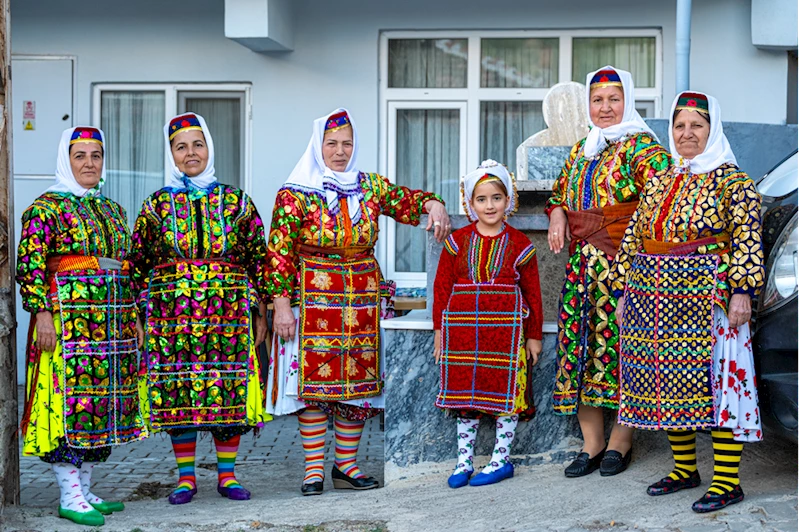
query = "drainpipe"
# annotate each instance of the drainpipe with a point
(683, 46)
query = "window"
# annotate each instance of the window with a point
(133, 117)
(449, 100)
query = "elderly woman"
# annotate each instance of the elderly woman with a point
(200, 271)
(592, 202)
(692, 260)
(325, 283)
(81, 396)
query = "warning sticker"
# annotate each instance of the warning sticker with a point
(30, 125)
(29, 110)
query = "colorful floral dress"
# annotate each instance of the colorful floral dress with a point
(693, 242)
(598, 195)
(199, 272)
(324, 262)
(81, 398)
(487, 304)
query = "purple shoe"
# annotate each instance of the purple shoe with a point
(236, 493)
(182, 496)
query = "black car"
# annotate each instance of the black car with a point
(775, 317)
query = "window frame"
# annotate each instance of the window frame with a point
(172, 104)
(474, 94)
(411, 278)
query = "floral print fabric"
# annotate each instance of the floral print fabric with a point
(199, 271)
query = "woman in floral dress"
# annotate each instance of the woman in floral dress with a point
(199, 273)
(591, 204)
(74, 280)
(325, 283)
(692, 260)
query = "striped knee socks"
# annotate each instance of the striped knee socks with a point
(226, 461)
(348, 436)
(313, 427)
(683, 447)
(185, 447)
(726, 461)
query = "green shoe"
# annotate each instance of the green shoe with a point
(90, 518)
(108, 507)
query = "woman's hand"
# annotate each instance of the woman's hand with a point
(284, 322)
(438, 219)
(45, 331)
(740, 310)
(558, 229)
(139, 332)
(619, 310)
(437, 346)
(260, 325)
(533, 349)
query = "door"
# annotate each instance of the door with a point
(41, 109)
(427, 151)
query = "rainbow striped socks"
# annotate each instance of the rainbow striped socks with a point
(226, 461)
(185, 447)
(313, 427)
(348, 436)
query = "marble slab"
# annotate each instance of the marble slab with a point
(416, 431)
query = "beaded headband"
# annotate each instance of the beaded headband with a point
(86, 134)
(692, 101)
(606, 78)
(337, 121)
(183, 123)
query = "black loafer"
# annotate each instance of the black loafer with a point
(343, 482)
(614, 463)
(667, 485)
(584, 465)
(710, 502)
(312, 488)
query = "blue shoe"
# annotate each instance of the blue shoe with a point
(484, 479)
(459, 480)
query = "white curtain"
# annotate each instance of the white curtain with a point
(223, 116)
(133, 124)
(505, 125)
(427, 63)
(635, 54)
(519, 63)
(428, 158)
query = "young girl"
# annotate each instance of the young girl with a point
(487, 304)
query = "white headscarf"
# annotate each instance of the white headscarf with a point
(717, 151)
(178, 179)
(312, 174)
(631, 122)
(489, 167)
(64, 179)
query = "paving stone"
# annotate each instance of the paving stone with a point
(785, 526)
(780, 510)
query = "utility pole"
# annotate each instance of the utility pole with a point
(9, 446)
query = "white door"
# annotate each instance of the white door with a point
(41, 109)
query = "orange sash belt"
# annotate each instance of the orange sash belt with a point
(347, 253)
(712, 245)
(603, 227)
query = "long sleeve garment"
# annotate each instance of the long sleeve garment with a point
(64, 224)
(182, 225)
(303, 217)
(681, 207)
(508, 258)
(616, 175)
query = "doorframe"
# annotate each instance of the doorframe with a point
(73, 103)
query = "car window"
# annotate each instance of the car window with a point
(781, 180)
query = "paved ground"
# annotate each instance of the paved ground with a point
(537, 498)
(148, 467)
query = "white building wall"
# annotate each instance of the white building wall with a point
(335, 57)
